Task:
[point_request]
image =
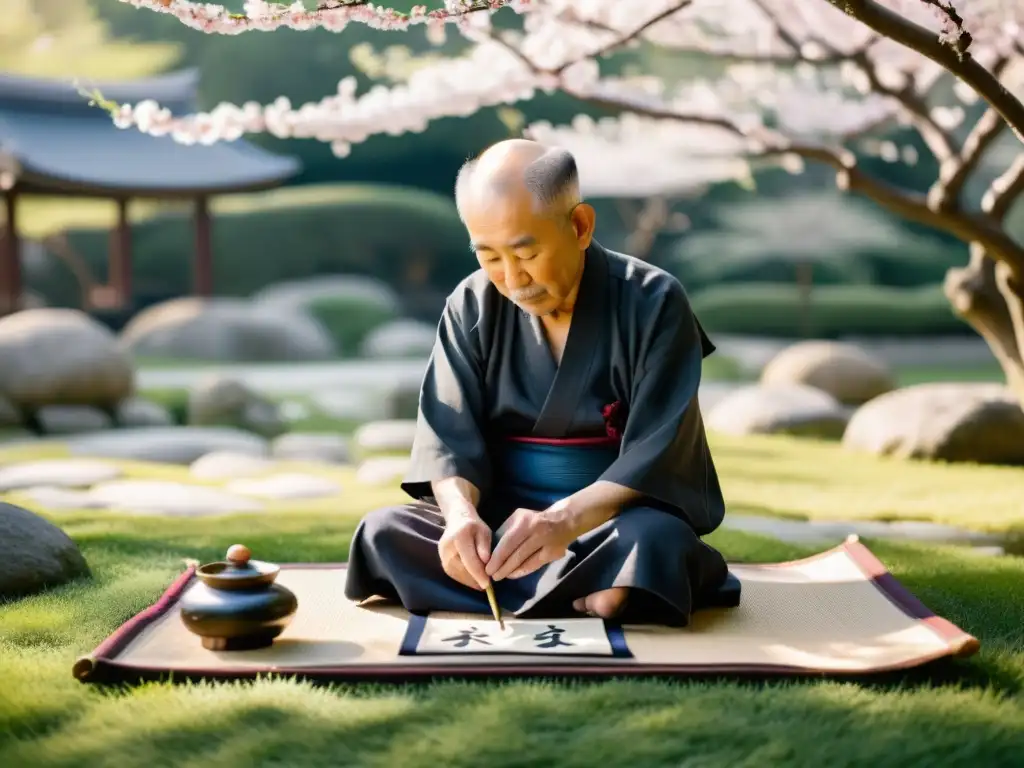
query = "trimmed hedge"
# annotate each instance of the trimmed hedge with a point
(289, 234)
(766, 309)
(698, 275)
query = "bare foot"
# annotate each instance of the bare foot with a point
(605, 604)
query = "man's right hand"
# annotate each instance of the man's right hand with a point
(465, 548)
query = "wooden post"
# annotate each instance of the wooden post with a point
(119, 262)
(202, 275)
(10, 258)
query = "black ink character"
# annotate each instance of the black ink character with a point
(465, 637)
(551, 637)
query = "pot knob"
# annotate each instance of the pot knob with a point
(238, 555)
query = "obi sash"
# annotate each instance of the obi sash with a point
(537, 471)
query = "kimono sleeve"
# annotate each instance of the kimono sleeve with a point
(664, 453)
(449, 439)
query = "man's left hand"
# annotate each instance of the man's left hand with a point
(531, 540)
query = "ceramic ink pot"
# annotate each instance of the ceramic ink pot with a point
(236, 605)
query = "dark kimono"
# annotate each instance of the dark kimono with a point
(497, 410)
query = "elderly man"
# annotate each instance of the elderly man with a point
(560, 454)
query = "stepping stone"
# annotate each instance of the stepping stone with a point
(287, 485)
(383, 470)
(312, 446)
(221, 465)
(169, 445)
(62, 498)
(155, 497)
(58, 473)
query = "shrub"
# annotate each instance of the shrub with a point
(349, 319)
(765, 309)
(295, 233)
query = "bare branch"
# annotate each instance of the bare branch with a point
(954, 171)
(1005, 190)
(952, 57)
(631, 36)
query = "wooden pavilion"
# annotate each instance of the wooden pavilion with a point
(53, 143)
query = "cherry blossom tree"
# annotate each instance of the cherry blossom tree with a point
(797, 81)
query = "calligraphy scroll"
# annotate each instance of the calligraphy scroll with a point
(544, 637)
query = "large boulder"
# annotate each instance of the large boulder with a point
(964, 422)
(34, 554)
(218, 401)
(226, 330)
(848, 373)
(789, 409)
(399, 339)
(61, 357)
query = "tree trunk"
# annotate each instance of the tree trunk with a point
(989, 297)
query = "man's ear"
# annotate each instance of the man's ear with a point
(584, 218)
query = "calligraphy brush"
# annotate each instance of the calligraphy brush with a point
(495, 608)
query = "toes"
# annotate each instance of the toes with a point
(607, 604)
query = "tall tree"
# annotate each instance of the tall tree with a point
(797, 81)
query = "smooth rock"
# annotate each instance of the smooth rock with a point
(61, 357)
(59, 473)
(220, 465)
(170, 498)
(295, 295)
(791, 409)
(226, 329)
(847, 372)
(385, 436)
(139, 412)
(221, 401)
(383, 470)
(398, 339)
(962, 422)
(34, 554)
(286, 485)
(169, 445)
(71, 419)
(311, 446)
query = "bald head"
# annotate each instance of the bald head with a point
(516, 169)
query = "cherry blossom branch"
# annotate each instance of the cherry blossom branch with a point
(938, 140)
(948, 50)
(331, 15)
(767, 144)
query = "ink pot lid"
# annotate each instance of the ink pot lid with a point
(238, 571)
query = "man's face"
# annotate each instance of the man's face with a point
(532, 259)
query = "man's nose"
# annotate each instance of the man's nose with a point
(515, 276)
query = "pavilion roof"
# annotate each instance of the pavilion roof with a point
(56, 143)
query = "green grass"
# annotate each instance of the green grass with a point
(968, 710)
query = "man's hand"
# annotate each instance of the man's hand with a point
(531, 540)
(465, 548)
